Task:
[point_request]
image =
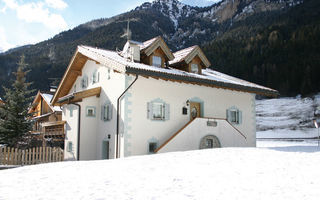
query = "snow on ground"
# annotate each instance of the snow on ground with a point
(226, 173)
(286, 117)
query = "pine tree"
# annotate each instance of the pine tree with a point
(15, 121)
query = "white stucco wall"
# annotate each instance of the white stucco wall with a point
(135, 129)
(190, 137)
(93, 129)
(215, 102)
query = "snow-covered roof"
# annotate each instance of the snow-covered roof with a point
(188, 55)
(180, 55)
(146, 44)
(208, 76)
(47, 98)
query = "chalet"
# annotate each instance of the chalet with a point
(146, 99)
(1, 102)
(48, 124)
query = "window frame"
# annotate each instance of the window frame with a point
(153, 61)
(69, 146)
(191, 67)
(234, 116)
(93, 111)
(161, 110)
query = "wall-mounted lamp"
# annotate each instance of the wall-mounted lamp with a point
(187, 102)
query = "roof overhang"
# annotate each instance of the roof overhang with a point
(73, 71)
(78, 96)
(200, 81)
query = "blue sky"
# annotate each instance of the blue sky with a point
(31, 21)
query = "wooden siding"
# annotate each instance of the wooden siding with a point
(196, 60)
(158, 52)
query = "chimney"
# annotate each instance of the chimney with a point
(131, 50)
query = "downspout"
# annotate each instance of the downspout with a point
(79, 123)
(118, 116)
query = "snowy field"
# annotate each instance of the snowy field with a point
(276, 169)
(283, 171)
(286, 117)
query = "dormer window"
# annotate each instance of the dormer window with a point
(194, 68)
(156, 61)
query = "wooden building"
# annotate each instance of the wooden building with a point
(48, 124)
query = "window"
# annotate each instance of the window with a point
(156, 61)
(84, 82)
(152, 147)
(158, 110)
(95, 77)
(106, 112)
(234, 115)
(194, 68)
(75, 88)
(91, 111)
(209, 143)
(71, 112)
(69, 147)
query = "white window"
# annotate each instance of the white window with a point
(91, 111)
(194, 68)
(95, 77)
(156, 61)
(234, 116)
(106, 112)
(84, 82)
(69, 147)
(158, 110)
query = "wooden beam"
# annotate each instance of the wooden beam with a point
(76, 72)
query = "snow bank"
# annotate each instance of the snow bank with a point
(227, 173)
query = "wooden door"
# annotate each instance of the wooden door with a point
(195, 110)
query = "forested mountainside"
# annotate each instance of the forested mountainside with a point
(270, 42)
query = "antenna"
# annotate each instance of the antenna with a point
(127, 32)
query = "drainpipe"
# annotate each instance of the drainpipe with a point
(79, 123)
(118, 117)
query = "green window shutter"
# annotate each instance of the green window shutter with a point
(240, 117)
(102, 113)
(166, 111)
(109, 110)
(149, 110)
(228, 115)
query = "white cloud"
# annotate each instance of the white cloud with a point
(57, 4)
(37, 13)
(4, 44)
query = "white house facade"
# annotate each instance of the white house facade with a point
(119, 104)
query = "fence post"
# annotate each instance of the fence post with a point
(1, 155)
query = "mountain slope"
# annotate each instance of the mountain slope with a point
(229, 23)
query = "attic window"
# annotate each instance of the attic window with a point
(156, 61)
(194, 68)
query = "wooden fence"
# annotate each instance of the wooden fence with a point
(14, 156)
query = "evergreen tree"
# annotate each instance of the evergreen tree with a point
(15, 121)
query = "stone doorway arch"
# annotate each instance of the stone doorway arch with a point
(209, 142)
